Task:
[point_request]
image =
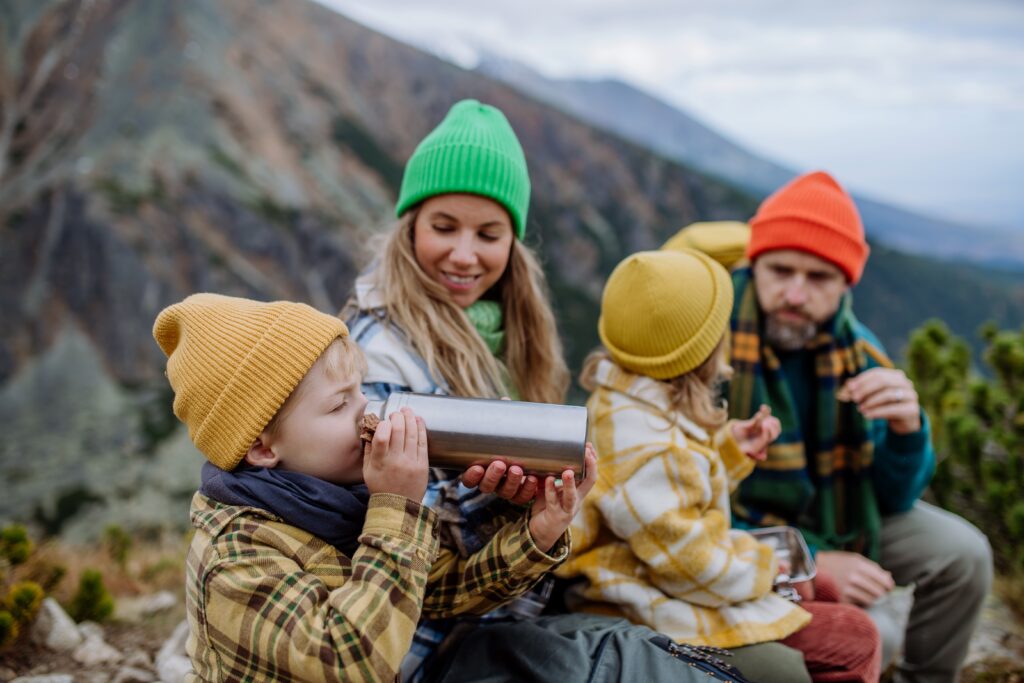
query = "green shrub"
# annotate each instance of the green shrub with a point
(8, 629)
(23, 601)
(15, 544)
(118, 543)
(978, 429)
(91, 602)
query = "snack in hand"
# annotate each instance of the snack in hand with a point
(367, 428)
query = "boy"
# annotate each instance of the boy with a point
(311, 561)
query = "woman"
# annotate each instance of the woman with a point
(457, 304)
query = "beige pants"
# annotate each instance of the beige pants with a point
(950, 563)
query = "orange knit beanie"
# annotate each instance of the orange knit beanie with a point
(812, 213)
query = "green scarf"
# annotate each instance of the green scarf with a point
(488, 320)
(831, 496)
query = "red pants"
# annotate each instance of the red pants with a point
(841, 643)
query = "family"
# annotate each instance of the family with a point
(734, 388)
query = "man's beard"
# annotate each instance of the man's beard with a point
(788, 336)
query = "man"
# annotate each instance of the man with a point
(855, 453)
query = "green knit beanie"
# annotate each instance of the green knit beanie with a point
(473, 150)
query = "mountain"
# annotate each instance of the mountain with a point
(254, 147)
(643, 118)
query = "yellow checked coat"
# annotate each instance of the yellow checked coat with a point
(653, 538)
(267, 601)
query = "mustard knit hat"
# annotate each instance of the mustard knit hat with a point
(724, 241)
(663, 312)
(233, 362)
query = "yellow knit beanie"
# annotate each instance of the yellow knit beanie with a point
(724, 241)
(233, 362)
(664, 312)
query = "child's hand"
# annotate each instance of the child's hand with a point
(555, 507)
(396, 461)
(753, 436)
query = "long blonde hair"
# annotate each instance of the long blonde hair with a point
(695, 394)
(439, 331)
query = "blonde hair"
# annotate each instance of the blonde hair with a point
(439, 331)
(340, 360)
(695, 394)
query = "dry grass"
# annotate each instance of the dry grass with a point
(150, 565)
(1011, 590)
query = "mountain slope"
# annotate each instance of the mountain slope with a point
(643, 118)
(152, 150)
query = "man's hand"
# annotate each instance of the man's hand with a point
(860, 581)
(555, 508)
(885, 394)
(753, 436)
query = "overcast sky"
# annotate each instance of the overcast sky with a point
(920, 102)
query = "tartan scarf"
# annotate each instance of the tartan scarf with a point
(830, 497)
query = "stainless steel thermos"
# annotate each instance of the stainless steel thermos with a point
(541, 438)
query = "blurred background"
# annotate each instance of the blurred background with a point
(149, 150)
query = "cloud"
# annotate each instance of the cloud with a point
(809, 83)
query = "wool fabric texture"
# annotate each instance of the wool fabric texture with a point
(473, 150)
(663, 312)
(724, 241)
(828, 494)
(232, 363)
(488, 321)
(329, 511)
(812, 213)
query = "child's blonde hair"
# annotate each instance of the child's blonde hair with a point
(341, 360)
(695, 394)
(439, 331)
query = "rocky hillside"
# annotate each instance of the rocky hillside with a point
(151, 150)
(251, 147)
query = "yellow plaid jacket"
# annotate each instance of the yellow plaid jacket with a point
(267, 601)
(653, 538)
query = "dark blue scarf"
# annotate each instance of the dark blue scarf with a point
(331, 512)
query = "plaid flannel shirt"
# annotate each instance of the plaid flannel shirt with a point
(267, 601)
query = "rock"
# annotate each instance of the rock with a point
(999, 635)
(7, 674)
(138, 659)
(90, 629)
(131, 674)
(52, 678)
(98, 676)
(135, 609)
(95, 651)
(172, 662)
(54, 628)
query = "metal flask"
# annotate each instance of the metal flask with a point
(542, 438)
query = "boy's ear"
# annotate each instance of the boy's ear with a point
(260, 454)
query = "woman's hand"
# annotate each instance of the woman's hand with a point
(753, 436)
(554, 509)
(506, 482)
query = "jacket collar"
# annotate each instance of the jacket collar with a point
(369, 294)
(212, 517)
(648, 391)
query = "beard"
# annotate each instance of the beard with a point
(784, 335)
